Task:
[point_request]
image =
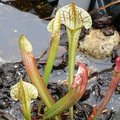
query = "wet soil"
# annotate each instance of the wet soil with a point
(10, 110)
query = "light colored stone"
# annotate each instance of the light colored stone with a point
(97, 45)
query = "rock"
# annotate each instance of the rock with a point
(117, 22)
(85, 96)
(1, 83)
(64, 39)
(82, 3)
(115, 53)
(53, 3)
(42, 8)
(104, 78)
(108, 31)
(6, 116)
(102, 21)
(84, 111)
(61, 58)
(97, 45)
(24, 5)
(13, 23)
(3, 104)
(83, 33)
(118, 88)
(116, 115)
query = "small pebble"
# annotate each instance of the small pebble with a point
(102, 21)
(108, 31)
(3, 104)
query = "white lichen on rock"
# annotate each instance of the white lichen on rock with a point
(97, 45)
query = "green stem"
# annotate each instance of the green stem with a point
(55, 28)
(71, 113)
(73, 43)
(71, 60)
(51, 59)
(71, 64)
(73, 38)
(26, 110)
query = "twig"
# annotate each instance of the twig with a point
(104, 7)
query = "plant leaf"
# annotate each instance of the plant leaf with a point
(23, 88)
(75, 93)
(54, 27)
(24, 92)
(112, 86)
(33, 72)
(75, 17)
